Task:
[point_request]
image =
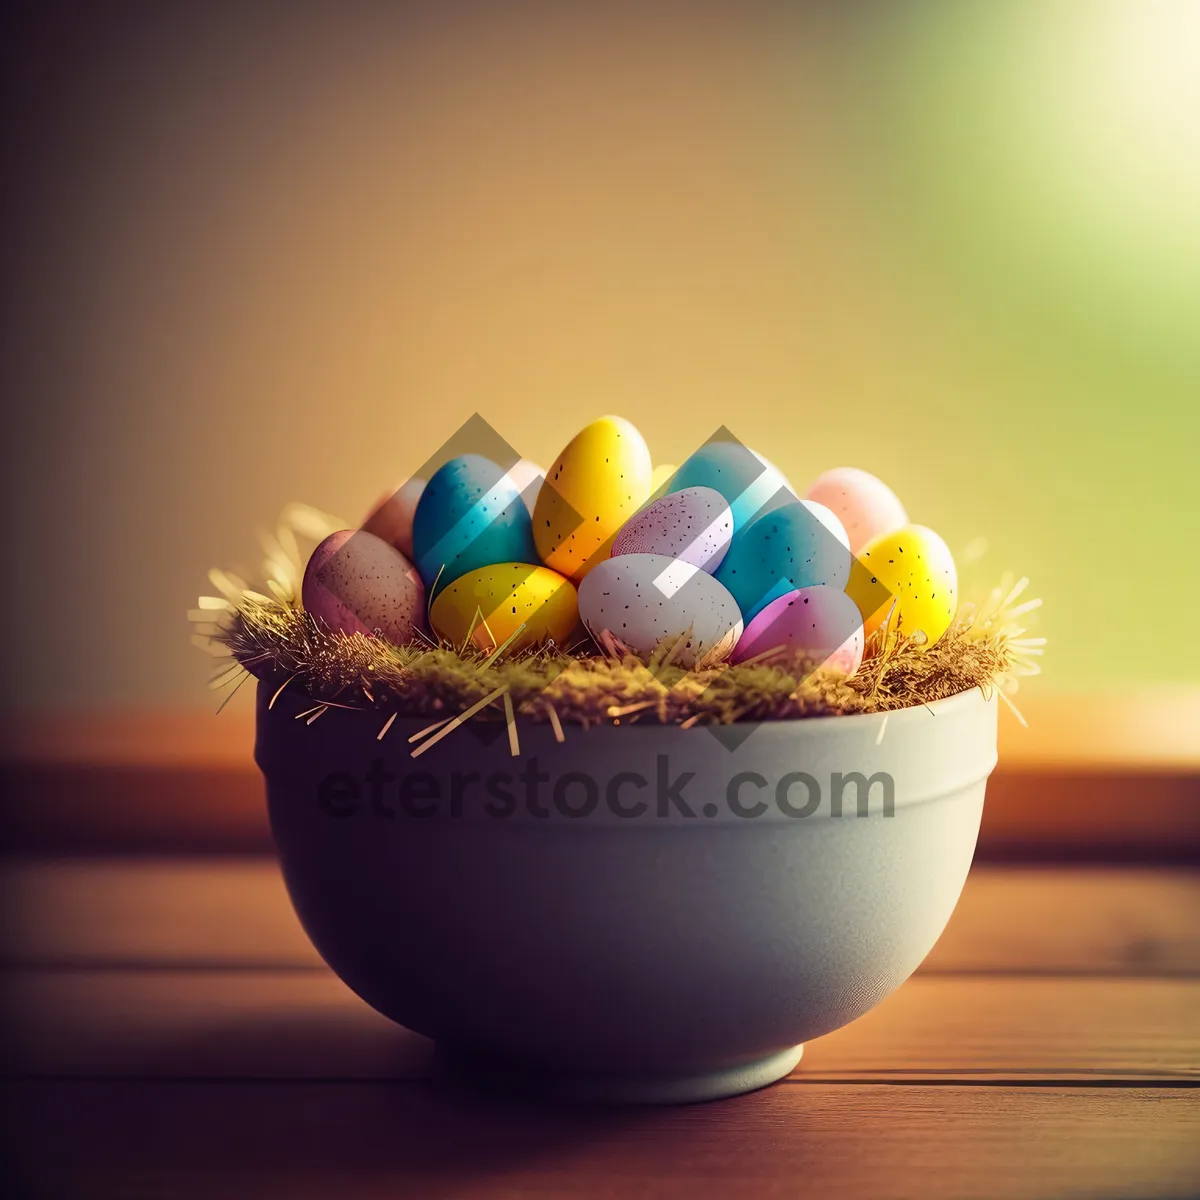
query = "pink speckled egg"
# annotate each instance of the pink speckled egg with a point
(866, 506)
(820, 624)
(356, 582)
(392, 516)
(693, 526)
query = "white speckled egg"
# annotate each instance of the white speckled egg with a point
(645, 599)
(694, 526)
(356, 582)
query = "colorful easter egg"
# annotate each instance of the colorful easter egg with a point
(820, 626)
(750, 484)
(798, 545)
(694, 526)
(595, 485)
(356, 582)
(917, 568)
(865, 505)
(527, 478)
(392, 516)
(646, 599)
(490, 604)
(470, 515)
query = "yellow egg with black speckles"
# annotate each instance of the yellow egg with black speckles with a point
(595, 485)
(489, 605)
(917, 569)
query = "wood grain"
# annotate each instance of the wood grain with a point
(235, 913)
(171, 1033)
(308, 1025)
(374, 1140)
(1094, 776)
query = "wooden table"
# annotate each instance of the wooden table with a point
(172, 1033)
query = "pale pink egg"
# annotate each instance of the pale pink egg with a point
(865, 505)
(693, 526)
(392, 516)
(820, 625)
(356, 582)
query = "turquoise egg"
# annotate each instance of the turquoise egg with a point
(801, 544)
(751, 485)
(470, 515)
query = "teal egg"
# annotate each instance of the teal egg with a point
(801, 544)
(751, 485)
(470, 515)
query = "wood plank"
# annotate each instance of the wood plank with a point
(58, 808)
(1085, 920)
(235, 913)
(1091, 814)
(312, 1140)
(225, 912)
(308, 1025)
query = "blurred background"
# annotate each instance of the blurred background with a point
(271, 252)
(258, 251)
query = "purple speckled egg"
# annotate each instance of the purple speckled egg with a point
(356, 582)
(819, 624)
(693, 526)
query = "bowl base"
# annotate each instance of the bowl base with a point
(622, 1089)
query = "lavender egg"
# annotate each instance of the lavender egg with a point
(693, 526)
(819, 624)
(356, 582)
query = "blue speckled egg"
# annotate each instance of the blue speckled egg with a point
(798, 545)
(750, 484)
(470, 515)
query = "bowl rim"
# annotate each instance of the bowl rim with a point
(933, 769)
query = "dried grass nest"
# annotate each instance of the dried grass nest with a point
(267, 635)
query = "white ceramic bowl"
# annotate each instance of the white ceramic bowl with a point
(582, 946)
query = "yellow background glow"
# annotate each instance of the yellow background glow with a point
(279, 256)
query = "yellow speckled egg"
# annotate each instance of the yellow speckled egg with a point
(595, 485)
(917, 569)
(506, 596)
